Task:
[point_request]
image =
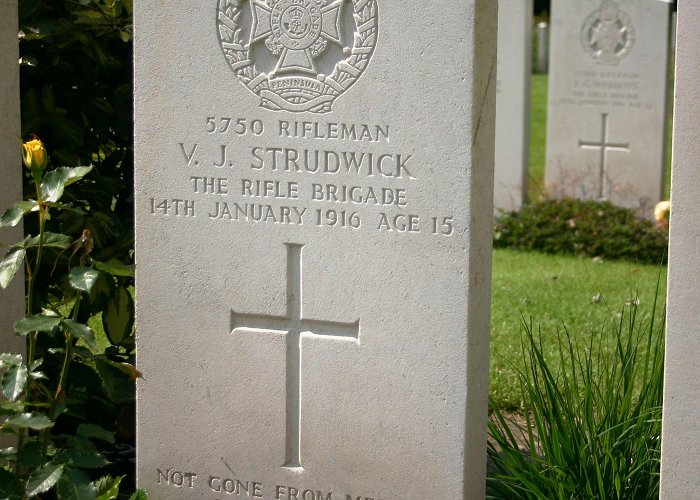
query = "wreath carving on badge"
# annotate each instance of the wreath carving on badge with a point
(293, 38)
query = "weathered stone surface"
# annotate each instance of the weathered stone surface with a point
(313, 247)
(513, 103)
(542, 64)
(12, 298)
(680, 456)
(607, 101)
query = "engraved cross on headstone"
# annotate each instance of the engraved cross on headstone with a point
(604, 146)
(293, 324)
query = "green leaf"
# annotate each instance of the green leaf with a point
(75, 485)
(118, 316)
(80, 331)
(14, 214)
(108, 488)
(91, 14)
(60, 408)
(43, 479)
(139, 495)
(32, 368)
(11, 217)
(51, 240)
(10, 265)
(69, 208)
(30, 421)
(37, 375)
(83, 352)
(116, 268)
(13, 381)
(102, 292)
(11, 407)
(86, 460)
(56, 181)
(117, 384)
(76, 444)
(35, 364)
(83, 278)
(92, 431)
(36, 323)
(9, 359)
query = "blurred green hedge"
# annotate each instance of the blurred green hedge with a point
(588, 228)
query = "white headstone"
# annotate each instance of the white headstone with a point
(11, 298)
(607, 101)
(542, 65)
(513, 103)
(674, 24)
(680, 455)
(314, 192)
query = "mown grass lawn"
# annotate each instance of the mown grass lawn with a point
(538, 137)
(558, 291)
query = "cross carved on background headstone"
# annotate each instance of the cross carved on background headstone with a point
(293, 324)
(604, 146)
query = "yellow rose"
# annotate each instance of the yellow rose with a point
(662, 212)
(35, 155)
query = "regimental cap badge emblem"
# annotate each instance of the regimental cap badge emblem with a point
(608, 34)
(298, 55)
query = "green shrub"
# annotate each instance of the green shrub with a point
(62, 400)
(590, 228)
(77, 95)
(592, 430)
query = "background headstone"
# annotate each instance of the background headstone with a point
(314, 333)
(513, 103)
(680, 455)
(12, 298)
(542, 65)
(607, 101)
(674, 24)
